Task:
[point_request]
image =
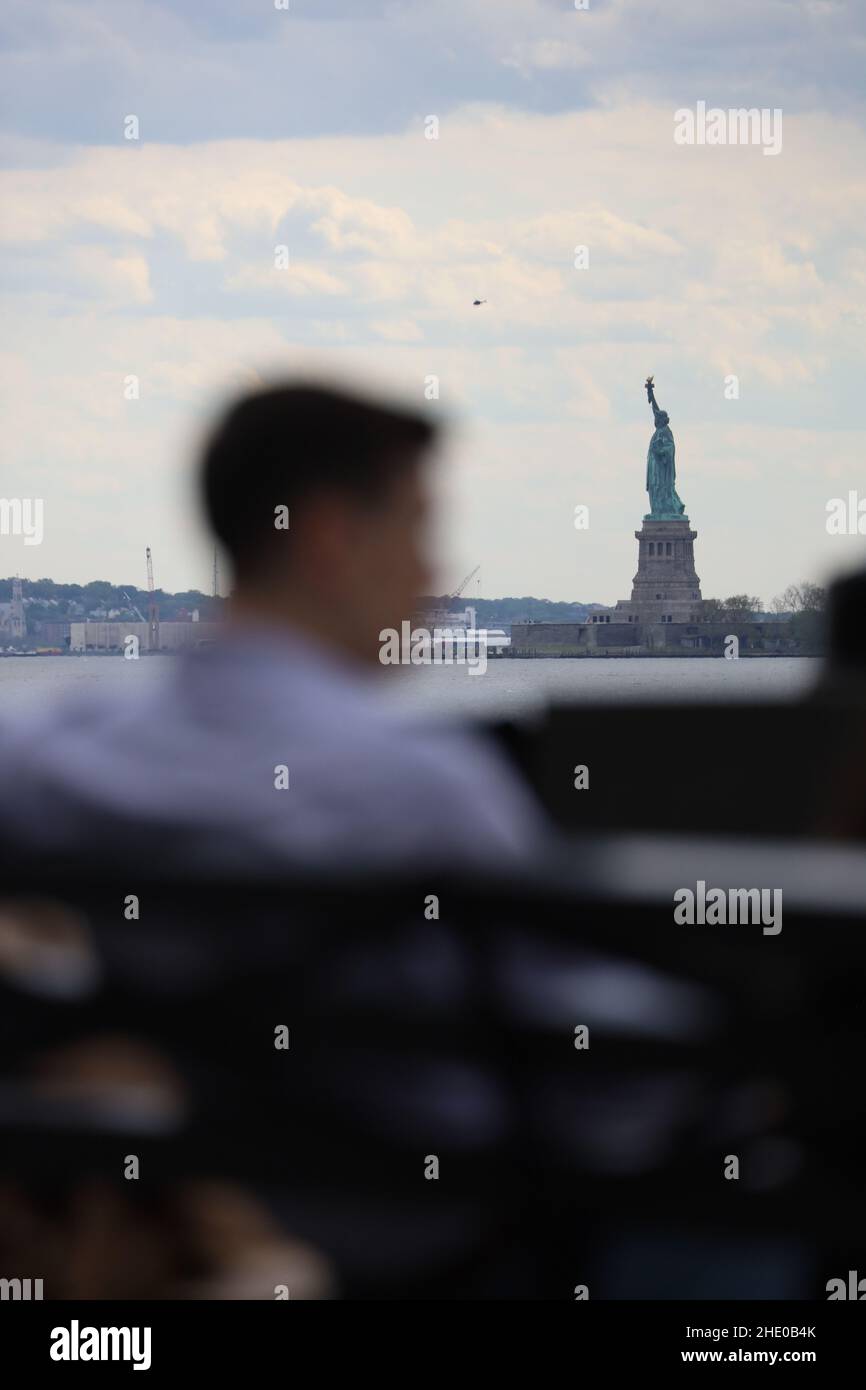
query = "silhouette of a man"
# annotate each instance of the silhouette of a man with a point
(276, 745)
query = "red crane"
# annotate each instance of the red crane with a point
(152, 608)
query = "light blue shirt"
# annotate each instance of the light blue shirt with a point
(187, 773)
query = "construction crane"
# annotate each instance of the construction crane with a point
(152, 608)
(137, 611)
(459, 590)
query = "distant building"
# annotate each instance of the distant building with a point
(452, 631)
(51, 632)
(111, 636)
(12, 624)
(605, 636)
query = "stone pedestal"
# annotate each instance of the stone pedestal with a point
(666, 587)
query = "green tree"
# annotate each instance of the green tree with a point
(805, 597)
(741, 607)
(713, 610)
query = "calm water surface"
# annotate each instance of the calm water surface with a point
(507, 688)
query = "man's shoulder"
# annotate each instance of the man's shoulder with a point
(462, 786)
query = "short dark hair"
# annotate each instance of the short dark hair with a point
(286, 443)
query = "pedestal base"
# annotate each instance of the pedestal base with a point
(666, 587)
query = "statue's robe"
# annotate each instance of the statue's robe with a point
(661, 475)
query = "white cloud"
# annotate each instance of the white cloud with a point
(546, 54)
(296, 279)
(397, 330)
(703, 262)
(123, 279)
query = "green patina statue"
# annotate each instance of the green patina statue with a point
(661, 470)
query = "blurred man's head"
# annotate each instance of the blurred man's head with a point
(318, 497)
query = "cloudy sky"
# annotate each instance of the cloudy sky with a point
(261, 127)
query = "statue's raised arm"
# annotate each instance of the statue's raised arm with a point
(651, 397)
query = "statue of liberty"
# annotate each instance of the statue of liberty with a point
(661, 471)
